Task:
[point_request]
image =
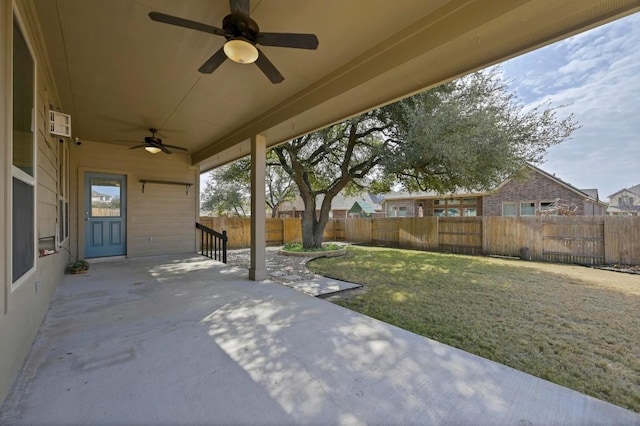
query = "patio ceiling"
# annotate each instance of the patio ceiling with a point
(120, 73)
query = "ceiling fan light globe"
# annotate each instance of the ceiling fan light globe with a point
(241, 51)
(152, 149)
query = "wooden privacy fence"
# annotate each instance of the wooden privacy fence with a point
(590, 240)
(277, 231)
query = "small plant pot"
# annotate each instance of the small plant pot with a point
(79, 267)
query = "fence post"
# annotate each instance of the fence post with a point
(224, 246)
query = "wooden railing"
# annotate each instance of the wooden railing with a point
(213, 244)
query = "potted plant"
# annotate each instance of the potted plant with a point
(79, 267)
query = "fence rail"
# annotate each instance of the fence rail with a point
(589, 240)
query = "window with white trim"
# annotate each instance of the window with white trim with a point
(63, 191)
(527, 209)
(23, 241)
(509, 209)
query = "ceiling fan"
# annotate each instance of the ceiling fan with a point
(154, 144)
(242, 35)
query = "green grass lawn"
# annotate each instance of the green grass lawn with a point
(575, 326)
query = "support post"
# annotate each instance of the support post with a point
(258, 269)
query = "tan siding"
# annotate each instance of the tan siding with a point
(22, 310)
(160, 220)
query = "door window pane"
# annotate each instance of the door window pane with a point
(105, 197)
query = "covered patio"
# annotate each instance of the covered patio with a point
(188, 340)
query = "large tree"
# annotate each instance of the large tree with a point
(466, 134)
(341, 157)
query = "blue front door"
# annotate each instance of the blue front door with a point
(104, 215)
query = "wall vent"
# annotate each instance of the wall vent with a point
(59, 124)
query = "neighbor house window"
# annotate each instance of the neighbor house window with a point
(438, 212)
(509, 209)
(527, 209)
(470, 212)
(625, 201)
(402, 212)
(23, 247)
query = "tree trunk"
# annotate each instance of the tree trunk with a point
(312, 225)
(312, 230)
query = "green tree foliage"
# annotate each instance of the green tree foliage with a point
(235, 179)
(224, 197)
(470, 134)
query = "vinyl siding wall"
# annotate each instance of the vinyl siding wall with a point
(159, 221)
(23, 308)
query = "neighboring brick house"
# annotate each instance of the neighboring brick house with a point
(625, 202)
(538, 192)
(529, 193)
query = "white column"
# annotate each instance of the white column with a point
(258, 269)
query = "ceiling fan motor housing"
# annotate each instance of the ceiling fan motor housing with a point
(240, 25)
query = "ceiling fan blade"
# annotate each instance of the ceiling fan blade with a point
(165, 150)
(240, 6)
(213, 62)
(297, 41)
(175, 147)
(268, 68)
(138, 146)
(186, 23)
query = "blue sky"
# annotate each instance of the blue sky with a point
(596, 74)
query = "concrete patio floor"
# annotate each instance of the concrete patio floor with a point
(192, 341)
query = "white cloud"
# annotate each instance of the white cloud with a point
(597, 76)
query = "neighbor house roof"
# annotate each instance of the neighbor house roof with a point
(362, 206)
(340, 202)
(405, 195)
(634, 189)
(402, 195)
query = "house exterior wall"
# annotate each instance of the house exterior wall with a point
(394, 208)
(412, 206)
(536, 188)
(24, 304)
(159, 221)
(630, 205)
